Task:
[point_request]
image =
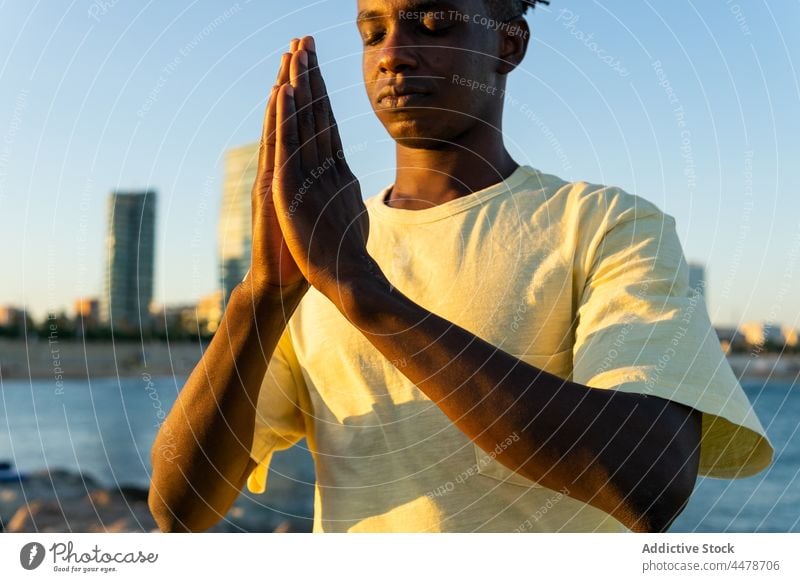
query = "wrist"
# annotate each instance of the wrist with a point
(361, 294)
(337, 279)
(268, 297)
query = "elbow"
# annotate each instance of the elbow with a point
(172, 507)
(165, 518)
(659, 516)
(170, 518)
(164, 511)
(179, 507)
(671, 495)
(165, 497)
(671, 481)
(185, 498)
(159, 499)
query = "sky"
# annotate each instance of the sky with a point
(692, 105)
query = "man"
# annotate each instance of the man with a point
(479, 347)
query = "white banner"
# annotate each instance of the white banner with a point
(400, 557)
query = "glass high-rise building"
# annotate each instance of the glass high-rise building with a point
(130, 262)
(697, 278)
(235, 223)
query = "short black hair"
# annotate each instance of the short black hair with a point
(507, 9)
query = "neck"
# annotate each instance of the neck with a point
(426, 178)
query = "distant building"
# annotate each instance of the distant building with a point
(731, 339)
(235, 223)
(130, 262)
(758, 333)
(87, 309)
(12, 317)
(186, 320)
(209, 312)
(697, 278)
(790, 336)
(176, 321)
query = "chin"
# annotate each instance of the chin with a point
(421, 143)
(419, 132)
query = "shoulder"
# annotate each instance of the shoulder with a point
(601, 207)
(600, 220)
(587, 205)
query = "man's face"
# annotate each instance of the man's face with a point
(429, 68)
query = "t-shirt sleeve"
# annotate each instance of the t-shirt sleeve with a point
(279, 422)
(642, 329)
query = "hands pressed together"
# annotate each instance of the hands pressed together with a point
(310, 225)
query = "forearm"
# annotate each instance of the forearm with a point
(201, 455)
(587, 440)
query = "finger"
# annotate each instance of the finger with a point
(326, 118)
(298, 73)
(287, 141)
(293, 44)
(321, 103)
(266, 155)
(336, 139)
(283, 71)
(283, 78)
(268, 139)
(266, 158)
(331, 131)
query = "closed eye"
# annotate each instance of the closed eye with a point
(436, 23)
(373, 37)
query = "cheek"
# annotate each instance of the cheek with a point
(368, 74)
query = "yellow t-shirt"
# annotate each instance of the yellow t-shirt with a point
(584, 281)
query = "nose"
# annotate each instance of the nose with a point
(396, 53)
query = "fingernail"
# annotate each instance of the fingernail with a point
(304, 58)
(290, 90)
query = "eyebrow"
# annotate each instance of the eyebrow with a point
(368, 15)
(420, 6)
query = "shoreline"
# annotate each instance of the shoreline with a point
(75, 359)
(67, 360)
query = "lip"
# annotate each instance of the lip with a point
(403, 100)
(401, 95)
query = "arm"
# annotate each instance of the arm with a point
(201, 455)
(632, 456)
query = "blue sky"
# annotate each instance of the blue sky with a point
(692, 105)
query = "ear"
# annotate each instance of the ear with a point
(514, 36)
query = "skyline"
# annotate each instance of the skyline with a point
(688, 106)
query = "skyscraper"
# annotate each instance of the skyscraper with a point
(235, 222)
(697, 278)
(130, 253)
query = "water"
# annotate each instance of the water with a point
(106, 429)
(769, 501)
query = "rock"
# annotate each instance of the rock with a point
(62, 501)
(99, 511)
